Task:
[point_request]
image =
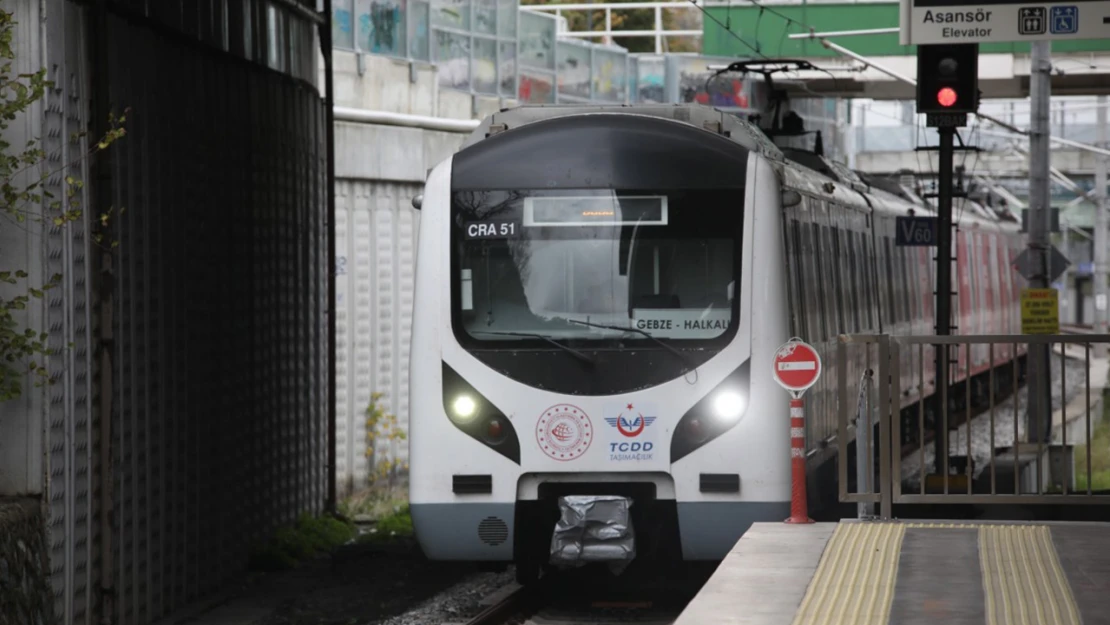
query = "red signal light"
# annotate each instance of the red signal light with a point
(946, 96)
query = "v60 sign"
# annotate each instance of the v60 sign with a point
(915, 231)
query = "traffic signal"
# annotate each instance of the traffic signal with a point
(948, 78)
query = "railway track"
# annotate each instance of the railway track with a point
(958, 418)
(558, 601)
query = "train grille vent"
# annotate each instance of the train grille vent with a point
(493, 531)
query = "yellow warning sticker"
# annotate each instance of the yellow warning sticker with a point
(1040, 311)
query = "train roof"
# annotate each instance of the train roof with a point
(707, 118)
(800, 169)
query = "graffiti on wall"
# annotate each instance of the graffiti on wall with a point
(382, 28)
(722, 91)
(609, 79)
(651, 81)
(536, 90)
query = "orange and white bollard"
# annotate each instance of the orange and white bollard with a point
(798, 508)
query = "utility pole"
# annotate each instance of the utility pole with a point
(1039, 371)
(1102, 237)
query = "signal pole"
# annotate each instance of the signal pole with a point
(1038, 368)
(947, 90)
(944, 292)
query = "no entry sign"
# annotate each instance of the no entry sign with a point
(797, 366)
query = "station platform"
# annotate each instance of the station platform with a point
(911, 573)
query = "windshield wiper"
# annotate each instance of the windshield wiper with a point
(681, 356)
(574, 352)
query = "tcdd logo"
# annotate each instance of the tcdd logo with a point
(633, 447)
(632, 425)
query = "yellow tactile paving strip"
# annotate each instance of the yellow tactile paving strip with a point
(855, 581)
(1023, 581)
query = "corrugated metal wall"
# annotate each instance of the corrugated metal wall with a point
(219, 372)
(71, 415)
(375, 229)
(204, 332)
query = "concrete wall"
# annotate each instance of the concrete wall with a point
(379, 83)
(25, 594)
(378, 169)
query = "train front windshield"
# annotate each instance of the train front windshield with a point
(548, 262)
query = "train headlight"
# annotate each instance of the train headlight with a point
(715, 413)
(464, 408)
(473, 414)
(728, 406)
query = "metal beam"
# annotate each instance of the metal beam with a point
(631, 33)
(862, 59)
(387, 118)
(843, 33)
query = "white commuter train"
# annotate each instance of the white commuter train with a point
(599, 292)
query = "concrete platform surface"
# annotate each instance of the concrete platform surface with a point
(911, 573)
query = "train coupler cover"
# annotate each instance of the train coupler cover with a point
(594, 528)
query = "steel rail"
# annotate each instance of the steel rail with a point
(520, 600)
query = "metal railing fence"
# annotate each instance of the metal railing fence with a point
(890, 407)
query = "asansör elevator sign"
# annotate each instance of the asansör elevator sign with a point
(998, 21)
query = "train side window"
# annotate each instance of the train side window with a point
(895, 298)
(881, 282)
(910, 288)
(838, 282)
(888, 260)
(813, 300)
(854, 282)
(973, 283)
(1005, 286)
(996, 294)
(983, 271)
(819, 260)
(895, 270)
(925, 284)
(896, 275)
(805, 252)
(877, 261)
(866, 280)
(907, 283)
(828, 273)
(797, 281)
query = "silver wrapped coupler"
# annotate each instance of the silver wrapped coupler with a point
(593, 528)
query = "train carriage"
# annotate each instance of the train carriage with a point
(599, 292)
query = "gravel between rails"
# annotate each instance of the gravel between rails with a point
(599, 616)
(456, 604)
(378, 585)
(1075, 373)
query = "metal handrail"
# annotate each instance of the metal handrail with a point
(894, 352)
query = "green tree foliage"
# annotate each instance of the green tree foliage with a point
(632, 19)
(381, 426)
(27, 204)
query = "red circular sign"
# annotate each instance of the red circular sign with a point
(797, 366)
(564, 432)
